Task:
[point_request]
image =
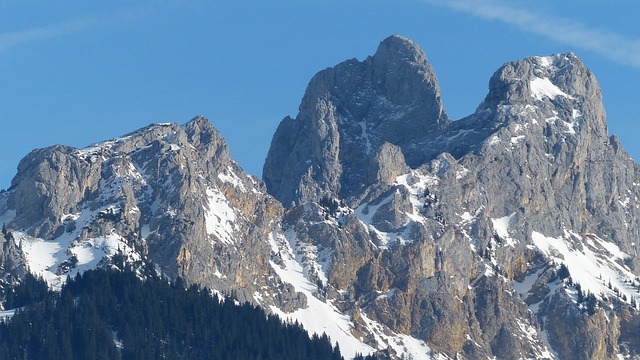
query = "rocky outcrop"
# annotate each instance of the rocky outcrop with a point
(348, 112)
(575, 334)
(12, 264)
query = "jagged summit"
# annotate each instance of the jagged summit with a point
(401, 47)
(134, 192)
(560, 77)
(407, 78)
(529, 181)
(199, 128)
(399, 71)
(347, 113)
(81, 172)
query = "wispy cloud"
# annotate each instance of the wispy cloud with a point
(607, 43)
(11, 39)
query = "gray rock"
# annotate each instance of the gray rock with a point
(535, 154)
(348, 112)
(387, 165)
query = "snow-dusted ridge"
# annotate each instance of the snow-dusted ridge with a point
(397, 222)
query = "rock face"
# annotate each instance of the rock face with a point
(510, 233)
(347, 113)
(457, 231)
(167, 194)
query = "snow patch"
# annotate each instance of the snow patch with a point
(88, 253)
(54, 260)
(220, 217)
(7, 314)
(461, 172)
(466, 217)
(69, 217)
(366, 211)
(405, 346)
(576, 114)
(543, 61)
(572, 127)
(624, 203)
(516, 139)
(593, 263)
(100, 148)
(40, 255)
(501, 226)
(417, 185)
(218, 274)
(523, 288)
(365, 136)
(543, 87)
(230, 177)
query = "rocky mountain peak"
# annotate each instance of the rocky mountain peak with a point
(529, 181)
(405, 76)
(551, 103)
(347, 113)
(560, 80)
(201, 132)
(168, 192)
(400, 47)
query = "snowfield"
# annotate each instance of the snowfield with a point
(596, 265)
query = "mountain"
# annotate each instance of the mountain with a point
(167, 193)
(165, 196)
(510, 233)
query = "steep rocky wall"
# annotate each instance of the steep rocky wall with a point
(443, 253)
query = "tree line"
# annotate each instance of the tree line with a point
(109, 314)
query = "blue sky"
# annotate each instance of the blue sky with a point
(78, 72)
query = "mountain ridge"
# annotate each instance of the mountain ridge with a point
(503, 234)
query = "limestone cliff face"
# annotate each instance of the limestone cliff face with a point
(456, 232)
(168, 194)
(346, 114)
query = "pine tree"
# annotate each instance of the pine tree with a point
(580, 294)
(591, 303)
(563, 272)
